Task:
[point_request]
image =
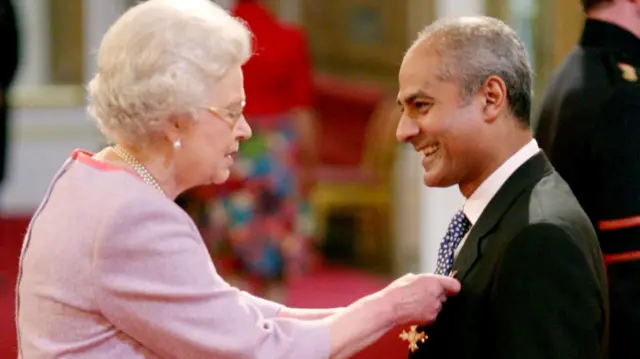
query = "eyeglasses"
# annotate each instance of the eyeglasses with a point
(231, 117)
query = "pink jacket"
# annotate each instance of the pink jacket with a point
(110, 268)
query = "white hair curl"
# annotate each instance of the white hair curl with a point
(161, 58)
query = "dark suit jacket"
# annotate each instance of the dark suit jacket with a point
(533, 280)
(589, 125)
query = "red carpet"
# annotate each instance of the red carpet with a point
(331, 287)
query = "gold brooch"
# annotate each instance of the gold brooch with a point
(413, 337)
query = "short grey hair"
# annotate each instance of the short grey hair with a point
(473, 48)
(160, 59)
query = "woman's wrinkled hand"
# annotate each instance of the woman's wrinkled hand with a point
(419, 297)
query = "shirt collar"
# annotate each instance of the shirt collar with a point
(479, 200)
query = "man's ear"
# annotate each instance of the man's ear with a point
(494, 91)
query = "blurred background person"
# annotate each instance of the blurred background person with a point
(262, 218)
(8, 67)
(589, 125)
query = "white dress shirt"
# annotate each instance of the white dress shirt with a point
(478, 201)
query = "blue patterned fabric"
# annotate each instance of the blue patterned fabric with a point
(458, 227)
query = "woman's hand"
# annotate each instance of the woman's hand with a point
(419, 297)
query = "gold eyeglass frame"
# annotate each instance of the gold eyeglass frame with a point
(228, 116)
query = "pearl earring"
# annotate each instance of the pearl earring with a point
(177, 144)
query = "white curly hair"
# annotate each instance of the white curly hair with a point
(160, 59)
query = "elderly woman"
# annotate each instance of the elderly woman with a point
(113, 268)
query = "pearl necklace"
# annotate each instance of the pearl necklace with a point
(138, 167)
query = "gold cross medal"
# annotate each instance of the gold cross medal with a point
(413, 337)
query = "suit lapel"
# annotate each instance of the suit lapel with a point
(526, 175)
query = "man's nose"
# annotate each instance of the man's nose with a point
(406, 129)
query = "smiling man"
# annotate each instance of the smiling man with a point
(533, 283)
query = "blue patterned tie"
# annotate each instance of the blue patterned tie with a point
(458, 227)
